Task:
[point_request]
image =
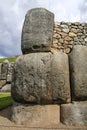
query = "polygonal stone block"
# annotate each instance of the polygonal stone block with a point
(78, 72)
(74, 114)
(37, 31)
(9, 74)
(41, 78)
(60, 78)
(4, 69)
(35, 115)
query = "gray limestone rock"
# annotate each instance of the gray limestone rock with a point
(2, 83)
(60, 78)
(74, 114)
(78, 72)
(33, 115)
(31, 78)
(4, 69)
(6, 88)
(41, 78)
(9, 74)
(37, 31)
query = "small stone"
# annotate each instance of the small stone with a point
(81, 27)
(74, 26)
(55, 41)
(57, 29)
(67, 38)
(85, 39)
(79, 34)
(62, 34)
(66, 42)
(61, 41)
(70, 46)
(83, 24)
(71, 42)
(83, 36)
(83, 43)
(57, 23)
(54, 45)
(69, 23)
(76, 39)
(64, 26)
(71, 34)
(76, 23)
(66, 30)
(67, 50)
(73, 30)
(56, 35)
(79, 30)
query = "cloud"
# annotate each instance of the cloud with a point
(83, 11)
(12, 13)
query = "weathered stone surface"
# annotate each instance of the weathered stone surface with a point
(36, 114)
(31, 75)
(2, 83)
(67, 38)
(4, 69)
(71, 34)
(9, 74)
(41, 78)
(37, 30)
(60, 77)
(66, 30)
(74, 114)
(78, 72)
(6, 88)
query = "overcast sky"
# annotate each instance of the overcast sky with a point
(12, 13)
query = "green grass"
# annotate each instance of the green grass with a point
(10, 59)
(5, 101)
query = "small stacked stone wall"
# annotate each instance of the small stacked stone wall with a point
(66, 35)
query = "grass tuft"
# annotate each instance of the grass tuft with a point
(5, 101)
(10, 59)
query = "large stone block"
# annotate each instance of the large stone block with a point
(60, 78)
(41, 78)
(34, 115)
(9, 74)
(78, 72)
(74, 114)
(4, 69)
(37, 31)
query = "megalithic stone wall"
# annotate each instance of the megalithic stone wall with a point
(52, 71)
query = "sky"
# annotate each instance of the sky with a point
(12, 14)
